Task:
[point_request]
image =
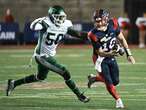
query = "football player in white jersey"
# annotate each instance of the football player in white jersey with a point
(125, 25)
(141, 24)
(51, 29)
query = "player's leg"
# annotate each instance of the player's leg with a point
(52, 65)
(94, 78)
(114, 71)
(71, 84)
(112, 90)
(41, 75)
(108, 80)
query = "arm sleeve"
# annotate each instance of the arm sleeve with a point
(78, 34)
(94, 40)
(116, 26)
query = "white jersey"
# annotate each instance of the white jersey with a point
(49, 35)
(141, 21)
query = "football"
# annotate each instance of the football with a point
(119, 49)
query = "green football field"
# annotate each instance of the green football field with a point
(53, 94)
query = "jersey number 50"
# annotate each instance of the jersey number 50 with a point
(53, 38)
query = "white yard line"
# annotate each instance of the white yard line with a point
(96, 85)
(137, 63)
(98, 109)
(73, 56)
(71, 96)
(73, 65)
(141, 91)
(133, 78)
(60, 55)
(16, 51)
(15, 67)
(21, 56)
(132, 84)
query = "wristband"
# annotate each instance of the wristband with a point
(128, 52)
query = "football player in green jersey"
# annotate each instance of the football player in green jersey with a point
(51, 29)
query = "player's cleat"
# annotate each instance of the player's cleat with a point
(83, 98)
(119, 103)
(10, 87)
(91, 80)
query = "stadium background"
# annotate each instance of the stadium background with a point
(52, 94)
(79, 11)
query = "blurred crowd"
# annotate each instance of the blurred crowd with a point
(124, 23)
(8, 18)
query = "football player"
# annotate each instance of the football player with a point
(124, 24)
(52, 30)
(141, 24)
(104, 38)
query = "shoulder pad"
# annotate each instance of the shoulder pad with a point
(36, 24)
(47, 21)
(92, 36)
(68, 23)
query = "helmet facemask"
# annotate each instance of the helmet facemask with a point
(59, 19)
(101, 18)
(57, 15)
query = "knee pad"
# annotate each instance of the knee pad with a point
(66, 74)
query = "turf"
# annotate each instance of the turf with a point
(53, 94)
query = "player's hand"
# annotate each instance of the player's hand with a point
(113, 53)
(131, 59)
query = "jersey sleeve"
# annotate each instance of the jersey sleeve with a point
(116, 26)
(68, 23)
(94, 40)
(36, 25)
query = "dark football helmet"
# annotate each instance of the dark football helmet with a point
(101, 17)
(57, 15)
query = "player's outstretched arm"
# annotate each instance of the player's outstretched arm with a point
(127, 50)
(78, 34)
